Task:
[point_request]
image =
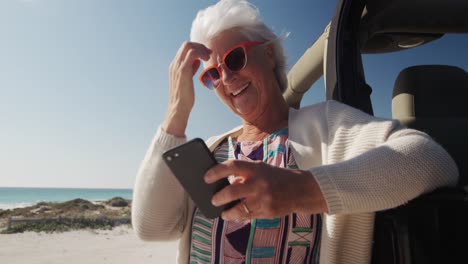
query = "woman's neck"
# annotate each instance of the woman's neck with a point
(271, 120)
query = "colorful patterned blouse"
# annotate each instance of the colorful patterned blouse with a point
(294, 238)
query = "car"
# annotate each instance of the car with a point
(432, 228)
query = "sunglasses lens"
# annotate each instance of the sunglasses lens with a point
(211, 78)
(235, 60)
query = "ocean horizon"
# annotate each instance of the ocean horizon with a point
(18, 197)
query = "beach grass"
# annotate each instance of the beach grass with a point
(71, 215)
(62, 225)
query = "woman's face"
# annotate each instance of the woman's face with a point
(246, 92)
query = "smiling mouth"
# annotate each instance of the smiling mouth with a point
(240, 90)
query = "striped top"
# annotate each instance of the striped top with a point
(292, 238)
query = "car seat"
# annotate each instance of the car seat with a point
(432, 98)
(432, 228)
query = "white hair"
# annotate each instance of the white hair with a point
(228, 14)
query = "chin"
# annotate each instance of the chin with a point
(244, 114)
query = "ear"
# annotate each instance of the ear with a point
(270, 55)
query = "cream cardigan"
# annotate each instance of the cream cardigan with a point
(363, 164)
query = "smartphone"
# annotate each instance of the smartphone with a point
(189, 162)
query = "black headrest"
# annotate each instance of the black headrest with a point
(437, 90)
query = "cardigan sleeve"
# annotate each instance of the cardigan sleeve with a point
(159, 206)
(374, 164)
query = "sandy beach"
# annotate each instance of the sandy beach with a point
(117, 246)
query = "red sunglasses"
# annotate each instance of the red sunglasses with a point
(234, 59)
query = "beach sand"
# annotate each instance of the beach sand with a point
(117, 246)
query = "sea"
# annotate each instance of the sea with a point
(16, 197)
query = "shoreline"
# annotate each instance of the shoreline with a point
(19, 197)
(13, 206)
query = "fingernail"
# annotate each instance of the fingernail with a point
(208, 177)
(214, 202)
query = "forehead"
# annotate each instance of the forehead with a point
(223, 41)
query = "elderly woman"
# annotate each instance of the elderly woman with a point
(310, 179)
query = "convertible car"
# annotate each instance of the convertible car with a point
(434, 227)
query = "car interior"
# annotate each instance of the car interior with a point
(432, 228)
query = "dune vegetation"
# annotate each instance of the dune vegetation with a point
(65, 216)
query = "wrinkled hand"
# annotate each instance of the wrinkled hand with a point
(181, 92)
(267, 191)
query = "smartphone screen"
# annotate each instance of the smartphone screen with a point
(189, 162)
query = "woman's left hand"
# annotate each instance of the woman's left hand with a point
(266, 191)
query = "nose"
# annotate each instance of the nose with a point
(227, 75)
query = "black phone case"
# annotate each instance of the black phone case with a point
(189, 162)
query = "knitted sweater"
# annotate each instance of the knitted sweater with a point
(362, 164)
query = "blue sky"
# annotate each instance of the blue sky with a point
(84, 83)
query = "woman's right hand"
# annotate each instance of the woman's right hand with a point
(181, 92)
